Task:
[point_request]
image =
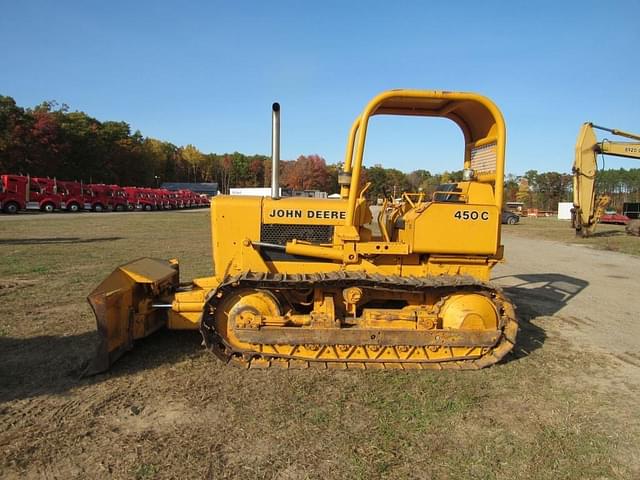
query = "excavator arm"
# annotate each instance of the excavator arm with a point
(588, 207)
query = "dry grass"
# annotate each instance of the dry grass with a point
(606, 237)
(170, 410)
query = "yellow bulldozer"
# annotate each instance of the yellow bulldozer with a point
(303, 282)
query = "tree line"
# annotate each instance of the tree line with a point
(50, 140)
(544, 190)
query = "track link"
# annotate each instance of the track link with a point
(443, 285)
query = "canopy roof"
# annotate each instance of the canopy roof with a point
(476, 115)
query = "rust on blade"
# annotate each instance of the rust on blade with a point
(122, 305)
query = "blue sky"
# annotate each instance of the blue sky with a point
(207, 72)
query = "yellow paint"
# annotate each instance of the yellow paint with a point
(456, 234)
(588, 207)
(307, 211)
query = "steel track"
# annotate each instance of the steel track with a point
(442, 285)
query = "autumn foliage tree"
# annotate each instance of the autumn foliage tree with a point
(307, 172)
(50, 140)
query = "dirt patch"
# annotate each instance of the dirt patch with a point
(7, 285)
(585, 291)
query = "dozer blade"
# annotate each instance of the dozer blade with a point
(123, 306)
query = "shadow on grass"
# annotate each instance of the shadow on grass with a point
(536, 295)
(607, 234)
(50, 365)
(54, 240)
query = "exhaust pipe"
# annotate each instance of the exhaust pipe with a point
(275, 151)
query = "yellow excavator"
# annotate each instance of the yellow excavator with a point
(588, 206)
(303, 282)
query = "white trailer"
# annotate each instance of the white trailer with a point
(252, 191)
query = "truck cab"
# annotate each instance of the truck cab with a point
(12, 193)
(100, 197)
(118, 201)
(74, 196)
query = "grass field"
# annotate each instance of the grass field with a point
(606, 237)
(170, 410)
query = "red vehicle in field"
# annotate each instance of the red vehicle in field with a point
(44, 194)
(176, 200)
(198, 201)
(183, 198)
(100, 197)
(154, 196)
(13, 193)
(18, 192)
(166, 198)
(204, 200)
(191, 199)
(75, 196)
(119, 201)
(141, 198)
(105, 197)
(615, 218)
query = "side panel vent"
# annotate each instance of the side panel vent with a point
(282, 233)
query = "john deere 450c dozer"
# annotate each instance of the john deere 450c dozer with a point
(303, 282)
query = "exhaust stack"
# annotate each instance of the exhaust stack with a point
(275, 151)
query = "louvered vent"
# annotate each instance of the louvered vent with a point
(483, 159)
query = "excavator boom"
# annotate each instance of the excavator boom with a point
(615, 131)
(588, 205)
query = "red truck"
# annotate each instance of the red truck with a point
(105, 197)
(179, 198)
(615, 218)
(176, 200)
(141, 198)
(44, 194)
(185, 198)
(157, 198)
(188, 199)
(165, 199)
(18, 192)
(118, 199)
(97, 197)
(75, 196)
(198, 201)
(191, 199)
(73, 199)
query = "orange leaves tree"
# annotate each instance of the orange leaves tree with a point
(308, 172)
